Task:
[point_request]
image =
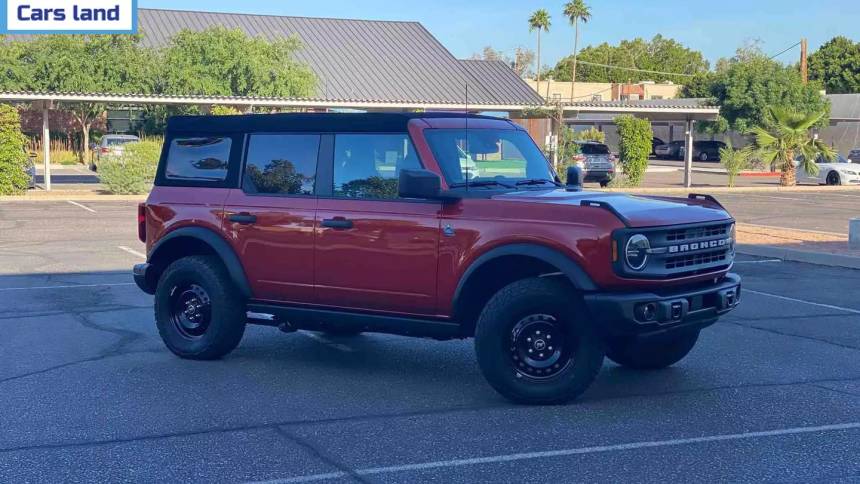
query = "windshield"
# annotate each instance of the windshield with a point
(594, 149)
(119, 141)
(487, 155)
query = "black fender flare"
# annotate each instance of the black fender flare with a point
(566, 265)
(219, 246)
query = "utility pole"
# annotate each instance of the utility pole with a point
(804, 67)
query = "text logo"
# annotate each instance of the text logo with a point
(68, 17)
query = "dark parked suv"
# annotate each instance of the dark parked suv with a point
(704, 150)
(431, 225)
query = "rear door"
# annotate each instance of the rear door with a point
(375, 251)
(270, 218)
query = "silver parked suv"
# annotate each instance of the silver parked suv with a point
(596, 162)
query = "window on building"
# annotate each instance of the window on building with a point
(283, 164)
(198, 159)
(368, 165)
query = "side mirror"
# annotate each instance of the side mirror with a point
(574, 178)
(422, 184)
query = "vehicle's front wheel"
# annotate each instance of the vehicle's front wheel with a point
(833, 178)
(199, 313)
(703, 156)
(651, 354)
(534, 343)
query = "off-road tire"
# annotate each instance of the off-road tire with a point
(651, 354)
(227, 308)
(494, 338)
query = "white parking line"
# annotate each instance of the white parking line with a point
(803, 301)
(566, 452)
(70, 286)
(132, 251)
(82, 206)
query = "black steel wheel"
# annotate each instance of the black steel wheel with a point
(190, 310)
(198, 311)
(534, 342)
(540, 348)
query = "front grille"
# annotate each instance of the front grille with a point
(682, 251)
(696, 259)
(697, 232)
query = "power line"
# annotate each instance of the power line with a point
(783, 51)
(634, 69)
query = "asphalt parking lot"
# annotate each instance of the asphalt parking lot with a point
(89, 393)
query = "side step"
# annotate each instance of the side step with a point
(292, 318)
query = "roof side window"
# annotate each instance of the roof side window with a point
(281, 164)
(198, 159)
(368, 165)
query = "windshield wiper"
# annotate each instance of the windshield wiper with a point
(481, 183)
(537, 181)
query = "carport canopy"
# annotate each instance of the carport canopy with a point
(678, 110)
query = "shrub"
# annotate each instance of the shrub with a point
(132, 172)
(591, 134)
(734, 161)
(635, 137)
(13, 158)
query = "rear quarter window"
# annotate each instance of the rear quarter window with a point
(201, 159)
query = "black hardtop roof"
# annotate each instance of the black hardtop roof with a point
(308, 122)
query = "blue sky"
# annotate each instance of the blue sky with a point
(716, 28)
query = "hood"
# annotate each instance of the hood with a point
(636, 210)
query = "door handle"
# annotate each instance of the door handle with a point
(242, 218)
(337, 223)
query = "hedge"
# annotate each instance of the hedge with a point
(13, 158)
(132, 172)
(635, 137)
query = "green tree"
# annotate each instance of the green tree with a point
(788, 138)
(540, 21)
(734, 161)
(89, 64)
(279, 176)
(658, 54)
(13, 158)
(227, 62)
(12, 75)
(749, 84)
(575, 11)
(635, 135)
(132, 172)
(837, 65)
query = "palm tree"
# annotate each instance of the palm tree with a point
(539, 21)
(576, 10)
(789, 138)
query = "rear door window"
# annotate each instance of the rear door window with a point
(281, 164)
(204, 159)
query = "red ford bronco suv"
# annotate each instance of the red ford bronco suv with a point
(432, 225)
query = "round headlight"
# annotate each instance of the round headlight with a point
(636, 252)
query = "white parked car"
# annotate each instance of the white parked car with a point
(840, 171)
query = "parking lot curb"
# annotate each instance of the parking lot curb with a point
(794, 255)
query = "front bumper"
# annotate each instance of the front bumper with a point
(140, 272)
(645, 314)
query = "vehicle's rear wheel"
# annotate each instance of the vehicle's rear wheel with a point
(651, 354)
(199, 313)
(604, 183)
(534, 344)
(833, 178)
(703, 156)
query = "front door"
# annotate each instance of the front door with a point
(375, 251)
(270, 219)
